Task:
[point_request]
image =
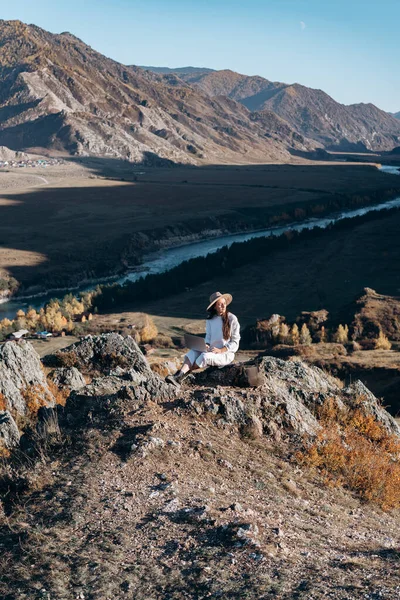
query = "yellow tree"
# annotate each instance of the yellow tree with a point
(294, 335)
(305, 336)
(342, 335)
(283, 333)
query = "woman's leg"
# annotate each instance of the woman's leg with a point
(209, 359)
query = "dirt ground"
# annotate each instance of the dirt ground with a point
(208, 515)
(67, 222)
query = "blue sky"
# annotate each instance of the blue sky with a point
(350, 49)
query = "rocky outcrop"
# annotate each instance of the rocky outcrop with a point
(21, 370)
(288, 398)
(374, 313)
(359, 395)
(106, 352)
(263, 333)
(313, 319)
(68, 377)
(126, 378)
(9, 434)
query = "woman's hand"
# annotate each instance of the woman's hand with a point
(218, 350)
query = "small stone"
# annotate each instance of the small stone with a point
(226, 464)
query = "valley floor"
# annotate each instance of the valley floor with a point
(70, 222)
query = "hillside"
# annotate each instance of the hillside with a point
(310, 112)
(60, 94)
(135, 489)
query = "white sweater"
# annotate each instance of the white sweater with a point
(214, 335)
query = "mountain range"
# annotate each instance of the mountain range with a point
(57, 93)
(312, 113)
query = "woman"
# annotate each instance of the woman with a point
(222, 340)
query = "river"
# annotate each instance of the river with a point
(164, 260)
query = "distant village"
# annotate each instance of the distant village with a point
(43, 162)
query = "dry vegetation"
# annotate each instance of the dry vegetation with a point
(356, 451)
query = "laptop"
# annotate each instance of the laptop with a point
(194, 342)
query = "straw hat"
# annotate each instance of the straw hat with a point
(216, 296)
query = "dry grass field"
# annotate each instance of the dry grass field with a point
(78, 225)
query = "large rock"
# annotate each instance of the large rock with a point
(357, 395)
(106, 352)
(68, 377)
(309, 385)
(127, 379)
(20, 370)
(289, 396)
(9, 434)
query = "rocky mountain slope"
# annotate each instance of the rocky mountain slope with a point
(58, 93)
(309, 112)
(137, 489)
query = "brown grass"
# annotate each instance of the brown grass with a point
(3, 403)
(355, 451)
(4, 452)
(67, 359)
(60, 395)
(36, 397)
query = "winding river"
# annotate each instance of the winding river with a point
(164, 260)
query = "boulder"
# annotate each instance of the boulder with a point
(289, 397)
(20, 369)
(121, 388)
(68, 377)
(9, 434)
(357, 394)
(105, 353)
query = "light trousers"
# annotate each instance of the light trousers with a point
(209, 359)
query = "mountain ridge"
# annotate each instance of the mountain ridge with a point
(59, 93)
(311, 112)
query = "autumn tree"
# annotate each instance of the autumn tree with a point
(283, 333)
(341, 336)
(382, 342)
(294, 335)
(305, 335)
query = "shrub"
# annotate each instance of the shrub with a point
(35, 397)
(356, 451)
(60, 395)
(163, 341)
(115, 360)
(66, 359)
(4, 452)
(382, 342)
